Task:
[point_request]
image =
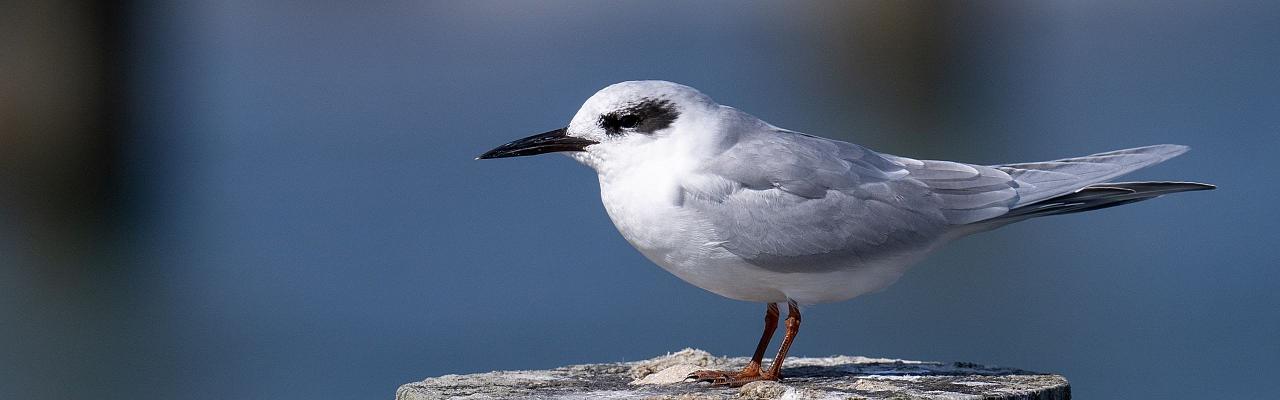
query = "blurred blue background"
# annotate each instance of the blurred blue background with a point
(277, 200)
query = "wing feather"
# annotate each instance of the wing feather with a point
(792, 202)
(795, 202)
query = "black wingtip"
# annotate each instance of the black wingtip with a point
(1189, 186)
(1169, 187)
(1099, 196)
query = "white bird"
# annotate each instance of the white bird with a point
(750, 211)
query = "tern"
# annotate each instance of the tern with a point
(754, 212)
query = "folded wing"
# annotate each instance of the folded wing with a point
(794, 202)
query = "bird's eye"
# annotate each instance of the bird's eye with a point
(628, 121)
(645, 117)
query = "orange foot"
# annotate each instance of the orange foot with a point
(731, 379)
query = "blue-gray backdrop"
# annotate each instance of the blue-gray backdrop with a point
(304, 217)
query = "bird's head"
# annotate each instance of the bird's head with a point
(625, 120)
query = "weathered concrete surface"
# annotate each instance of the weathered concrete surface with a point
(841, 377)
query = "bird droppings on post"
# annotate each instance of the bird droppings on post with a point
(841, 377)
(687, 356)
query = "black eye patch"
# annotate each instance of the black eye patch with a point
(647, 116)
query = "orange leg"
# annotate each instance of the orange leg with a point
(793, 328)
(752, 370)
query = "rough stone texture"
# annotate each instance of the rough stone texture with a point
(840, 377)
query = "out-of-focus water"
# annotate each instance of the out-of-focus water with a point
(305, 220)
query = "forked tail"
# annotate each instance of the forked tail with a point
(1096, 197)
(1074, 185)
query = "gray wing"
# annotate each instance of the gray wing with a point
(792, 202)
(1042, 180)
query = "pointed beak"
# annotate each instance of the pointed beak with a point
(557, 140)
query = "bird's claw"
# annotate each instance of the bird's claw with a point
(722, 378)
(712, 376)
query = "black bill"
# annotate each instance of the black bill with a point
(549, 142)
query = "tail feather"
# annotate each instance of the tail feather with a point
(1098, 196)
(1073, 185)
(1047, 179)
